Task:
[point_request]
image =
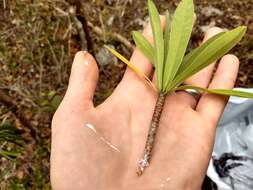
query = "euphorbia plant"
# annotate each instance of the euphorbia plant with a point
(172, 66)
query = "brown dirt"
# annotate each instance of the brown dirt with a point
(37, 46)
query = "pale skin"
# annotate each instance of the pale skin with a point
(81, 160)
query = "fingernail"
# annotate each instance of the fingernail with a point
(86, 62)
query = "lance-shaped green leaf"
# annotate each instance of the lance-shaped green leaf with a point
(143, 45)
(222, 92)
(179, 38)
(189, 58)
(158, 42)
(213, 51)
(166, 35)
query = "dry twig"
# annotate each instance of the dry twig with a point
(81, 24)
(115, 36)
(83, 29)
(80, 28)
(7, 101)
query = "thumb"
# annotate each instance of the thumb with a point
(83, 81)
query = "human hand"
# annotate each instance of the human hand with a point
(99, 147)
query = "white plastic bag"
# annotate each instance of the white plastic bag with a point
(231, 166)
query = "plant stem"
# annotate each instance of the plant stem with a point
(144, 162)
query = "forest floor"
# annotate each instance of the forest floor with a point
(38, 39)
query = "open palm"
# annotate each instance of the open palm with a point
(99, 147)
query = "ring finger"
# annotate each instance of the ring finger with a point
(202, 78)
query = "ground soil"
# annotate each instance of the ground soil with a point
(37, 45)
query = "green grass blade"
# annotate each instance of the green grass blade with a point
(10, 133)
(166, 35)
(158, 42)
(222, 92)
(180, 34)
(8, 154)
(215, 50)
(143, 45)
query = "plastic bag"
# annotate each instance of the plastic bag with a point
(231, 166)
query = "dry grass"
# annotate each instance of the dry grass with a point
(37, 43)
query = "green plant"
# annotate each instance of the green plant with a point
(172, 66)
(9, 133)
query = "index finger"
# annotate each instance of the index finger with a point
(139, 59)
